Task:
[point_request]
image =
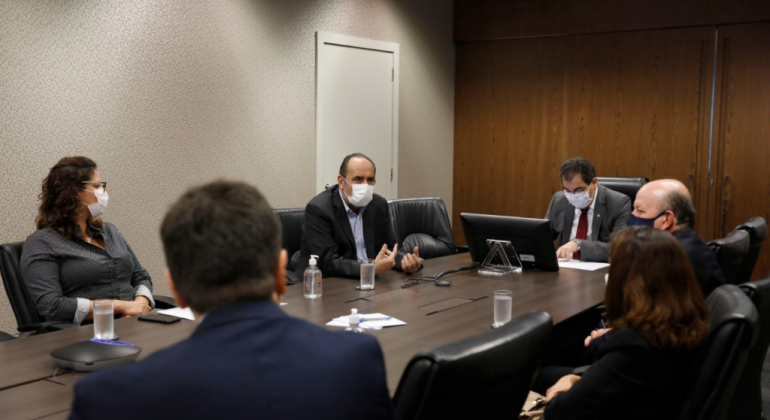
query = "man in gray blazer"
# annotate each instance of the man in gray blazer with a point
(585, 214)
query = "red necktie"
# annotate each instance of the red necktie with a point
(582, 230)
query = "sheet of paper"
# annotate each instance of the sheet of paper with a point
(581, 265)
(184, 313)
(344, 321)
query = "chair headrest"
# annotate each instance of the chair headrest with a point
(735, 244)
(727, 304)
(756, 227)
(627, 186)
(492, 341)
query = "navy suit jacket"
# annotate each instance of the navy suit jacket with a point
(610, 214)
(703, 261)
(327, 233)
(246, 360)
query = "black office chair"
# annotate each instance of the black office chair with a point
(291, 222)
(756, 227)
(747, 398)
(730, 252)
(422, 222)
(627, 186)
(27, 317)
(485, 377)
(719, 362)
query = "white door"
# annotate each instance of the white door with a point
(356, 107)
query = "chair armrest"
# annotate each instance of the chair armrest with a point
(579, 371)
(6, 337)
(164, 302)
(461, 249)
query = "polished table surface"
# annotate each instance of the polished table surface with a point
(434, 316)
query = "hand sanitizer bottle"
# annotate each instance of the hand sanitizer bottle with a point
(313, 280)
(354, 319)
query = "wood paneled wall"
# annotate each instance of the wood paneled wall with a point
(629, 102)
(741, 169)
(635, 103)
(499, 19)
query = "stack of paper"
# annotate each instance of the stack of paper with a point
(371, 321)
(581, 265)
(184, 313)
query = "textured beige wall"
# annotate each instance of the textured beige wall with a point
(168, 94)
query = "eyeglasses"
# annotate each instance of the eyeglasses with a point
(103, 184)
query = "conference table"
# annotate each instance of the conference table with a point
(32, 388)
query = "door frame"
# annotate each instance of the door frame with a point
(367, 44)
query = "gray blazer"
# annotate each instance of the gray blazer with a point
(610, 213)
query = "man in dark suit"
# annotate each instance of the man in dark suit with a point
(585, 214)
(348, 223)
(247, 358)
(666, 204)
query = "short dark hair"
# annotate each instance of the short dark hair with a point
(577, 165)
(652, 289)
(683, 209)
(344, 166)
(222, 242)
(59, 202)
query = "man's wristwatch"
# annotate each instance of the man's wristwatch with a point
(578, 242)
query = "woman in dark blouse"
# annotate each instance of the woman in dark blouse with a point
(74, 257)
(657, 318)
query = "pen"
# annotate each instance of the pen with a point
(375, 318)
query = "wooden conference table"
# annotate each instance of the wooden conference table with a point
(434, 316)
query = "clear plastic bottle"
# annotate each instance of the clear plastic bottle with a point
(354, 319)
(313, 280)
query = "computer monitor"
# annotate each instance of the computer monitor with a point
(530, 237)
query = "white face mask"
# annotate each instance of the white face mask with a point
(580, 200)
(102, 198)
(362, 194)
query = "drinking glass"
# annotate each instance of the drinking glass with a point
(104, 321)
(367, 275)
(503, 306)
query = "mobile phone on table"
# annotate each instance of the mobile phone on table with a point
(163, 319)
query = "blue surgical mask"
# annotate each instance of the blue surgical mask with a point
(640, 221)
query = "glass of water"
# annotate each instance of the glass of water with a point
(367, 275)
(104, 321)
(503, 306)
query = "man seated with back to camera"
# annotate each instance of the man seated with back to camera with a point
(348, 224)
(585, 214)
(247, 358)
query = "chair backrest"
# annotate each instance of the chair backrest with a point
(21, 301)
(730, 252)
(747, 398)
(627, 186)
(720, 360)
(487, 376)
(422, 222)
(756, 227)
(291, 223)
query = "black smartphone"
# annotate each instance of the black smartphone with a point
(163, 319)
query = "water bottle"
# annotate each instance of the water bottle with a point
(313, 280)
(353, 320)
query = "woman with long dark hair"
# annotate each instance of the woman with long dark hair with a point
(74, 257)
(657, 318)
